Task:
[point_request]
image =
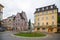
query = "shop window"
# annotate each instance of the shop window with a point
(43, 28)
(38, 28)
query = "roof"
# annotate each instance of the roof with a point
(1, 5)
(46, 8)
(14, 18)
(11, 16)
(21, 14)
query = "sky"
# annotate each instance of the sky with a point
(12, 7)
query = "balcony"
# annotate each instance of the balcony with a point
(46, 26)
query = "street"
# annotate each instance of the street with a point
(7, 36)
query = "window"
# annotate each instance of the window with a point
(51, 6)
(42, 23)
(46, 12)
(46, 23)
(9, 19)
(42, 8)
(52, 23)
(38, 24)
(46, 18)
(38, 19)
(42, 18)
(52, 17)
(16, 23)
(46, 7)
(38, 9)
(43, 28)
(38, 28)
(52, 11)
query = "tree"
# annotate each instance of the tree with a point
(29, 26)
(58, 19)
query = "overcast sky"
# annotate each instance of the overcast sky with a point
(11, 7)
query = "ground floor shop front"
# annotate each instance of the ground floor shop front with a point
(46, 29)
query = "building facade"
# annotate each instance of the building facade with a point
(20, 22)
(1, 11)
(1, 16)
(8, 22)
(4, 22)
(45, 19)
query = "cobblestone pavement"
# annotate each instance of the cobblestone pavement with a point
(7, 36)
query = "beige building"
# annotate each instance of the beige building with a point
(1, 11)
(8, 22)
(45, 19)
(4, 22)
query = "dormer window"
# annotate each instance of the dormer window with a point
(46, 7)
(38, 9)
(42, 8)
(51, 6)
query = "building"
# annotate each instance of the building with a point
(1, 11)
(20, 22)
(4, 22)
(8, 22)
(1, 16)
(45, 19)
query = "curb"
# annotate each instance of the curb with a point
(27, 37)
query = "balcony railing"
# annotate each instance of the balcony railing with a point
(47, 26)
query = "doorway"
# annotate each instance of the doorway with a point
(50, 29)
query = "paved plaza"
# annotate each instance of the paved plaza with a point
(7, 36)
